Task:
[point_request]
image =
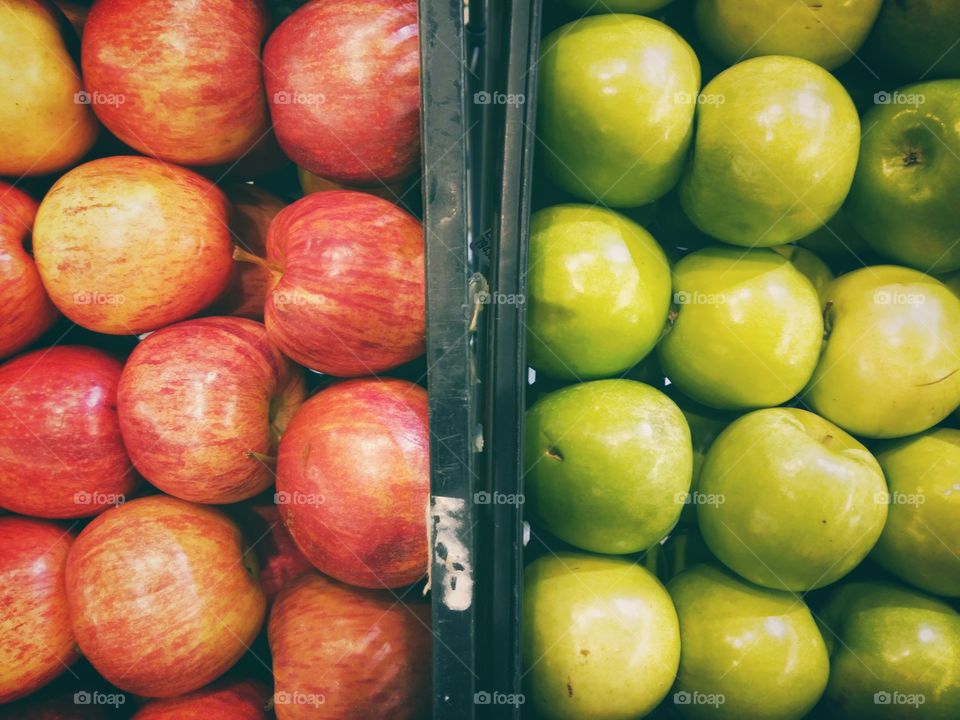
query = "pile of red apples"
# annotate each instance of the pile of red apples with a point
(217, 495)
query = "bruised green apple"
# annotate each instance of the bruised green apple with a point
(815, 269)
(894, 653)
(828, 32)
(889, 367)
(617, 95)
(598, 292)
(745, 651)
(904, 197)
(608, 464)
(921, 540)
(746, 331)
(775, 151)
(799, 502)
(600, 638)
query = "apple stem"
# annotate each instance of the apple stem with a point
(267, 459)
(241, 255)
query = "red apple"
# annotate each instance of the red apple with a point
(202, 406)
(349, 296)
(61, 454)
(339, 652)
(238, 700)
(36, 642)
(253, 210)
(180, 81)
(353, 481)
(129, 244)
(24, 306)
(281, 562)
(343, 82)
(163, 595)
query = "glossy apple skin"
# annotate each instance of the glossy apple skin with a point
(356, 653)
(920, 543)
(746, 330)
(802, 501)
(599, 292)
(238, 700)
(196, 98)
(758, 648)
(36, 642)
(163, 596)
(280, 560)
(42, 128)
(61, 453)
(26, 310)
(196, 399)
(884, 638)
(775, 152)
(829, 33)
(889, 365)
(608, 464)
(600, 637)
(129, 244)
(353, 481)
(806, 261)
(616, 103)
(343, 83)
(918, 38)
(349, 296)
(903, 198)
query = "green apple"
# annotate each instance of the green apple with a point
(642, 7)
(812, 267)
(746, 652)
(617, 96)
(598, 292)
(889, 367)
(746, 331)
(918, 38)
(828, 32)
(608, 464)
(894, 653)
(800, 502)
(775, 151)
(921, 540)
(600, 638)
(904, 198)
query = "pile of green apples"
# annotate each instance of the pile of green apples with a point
(742, 467)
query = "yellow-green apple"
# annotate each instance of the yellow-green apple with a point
(600, 637)
(903, 198)
(799, 502)
(178, 81)
(811, 266)
(892, 338)
(348, 294)
(253, 210)
(642, 7)
(279, 558)
(617, 95)
(202, 406)
(342, 652)
(745, 651)
(921, 541)
(61, 452)
(45, 123)
(26, 310)
(775, 152)
(608, 464)
(163, 595)
(917, 39)
(343, 83)
(353, 481)
(746, 330)
(36, 641)
(599, 292)
(130, 244)
(828, 33)
(225, 700)
(894, 653)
